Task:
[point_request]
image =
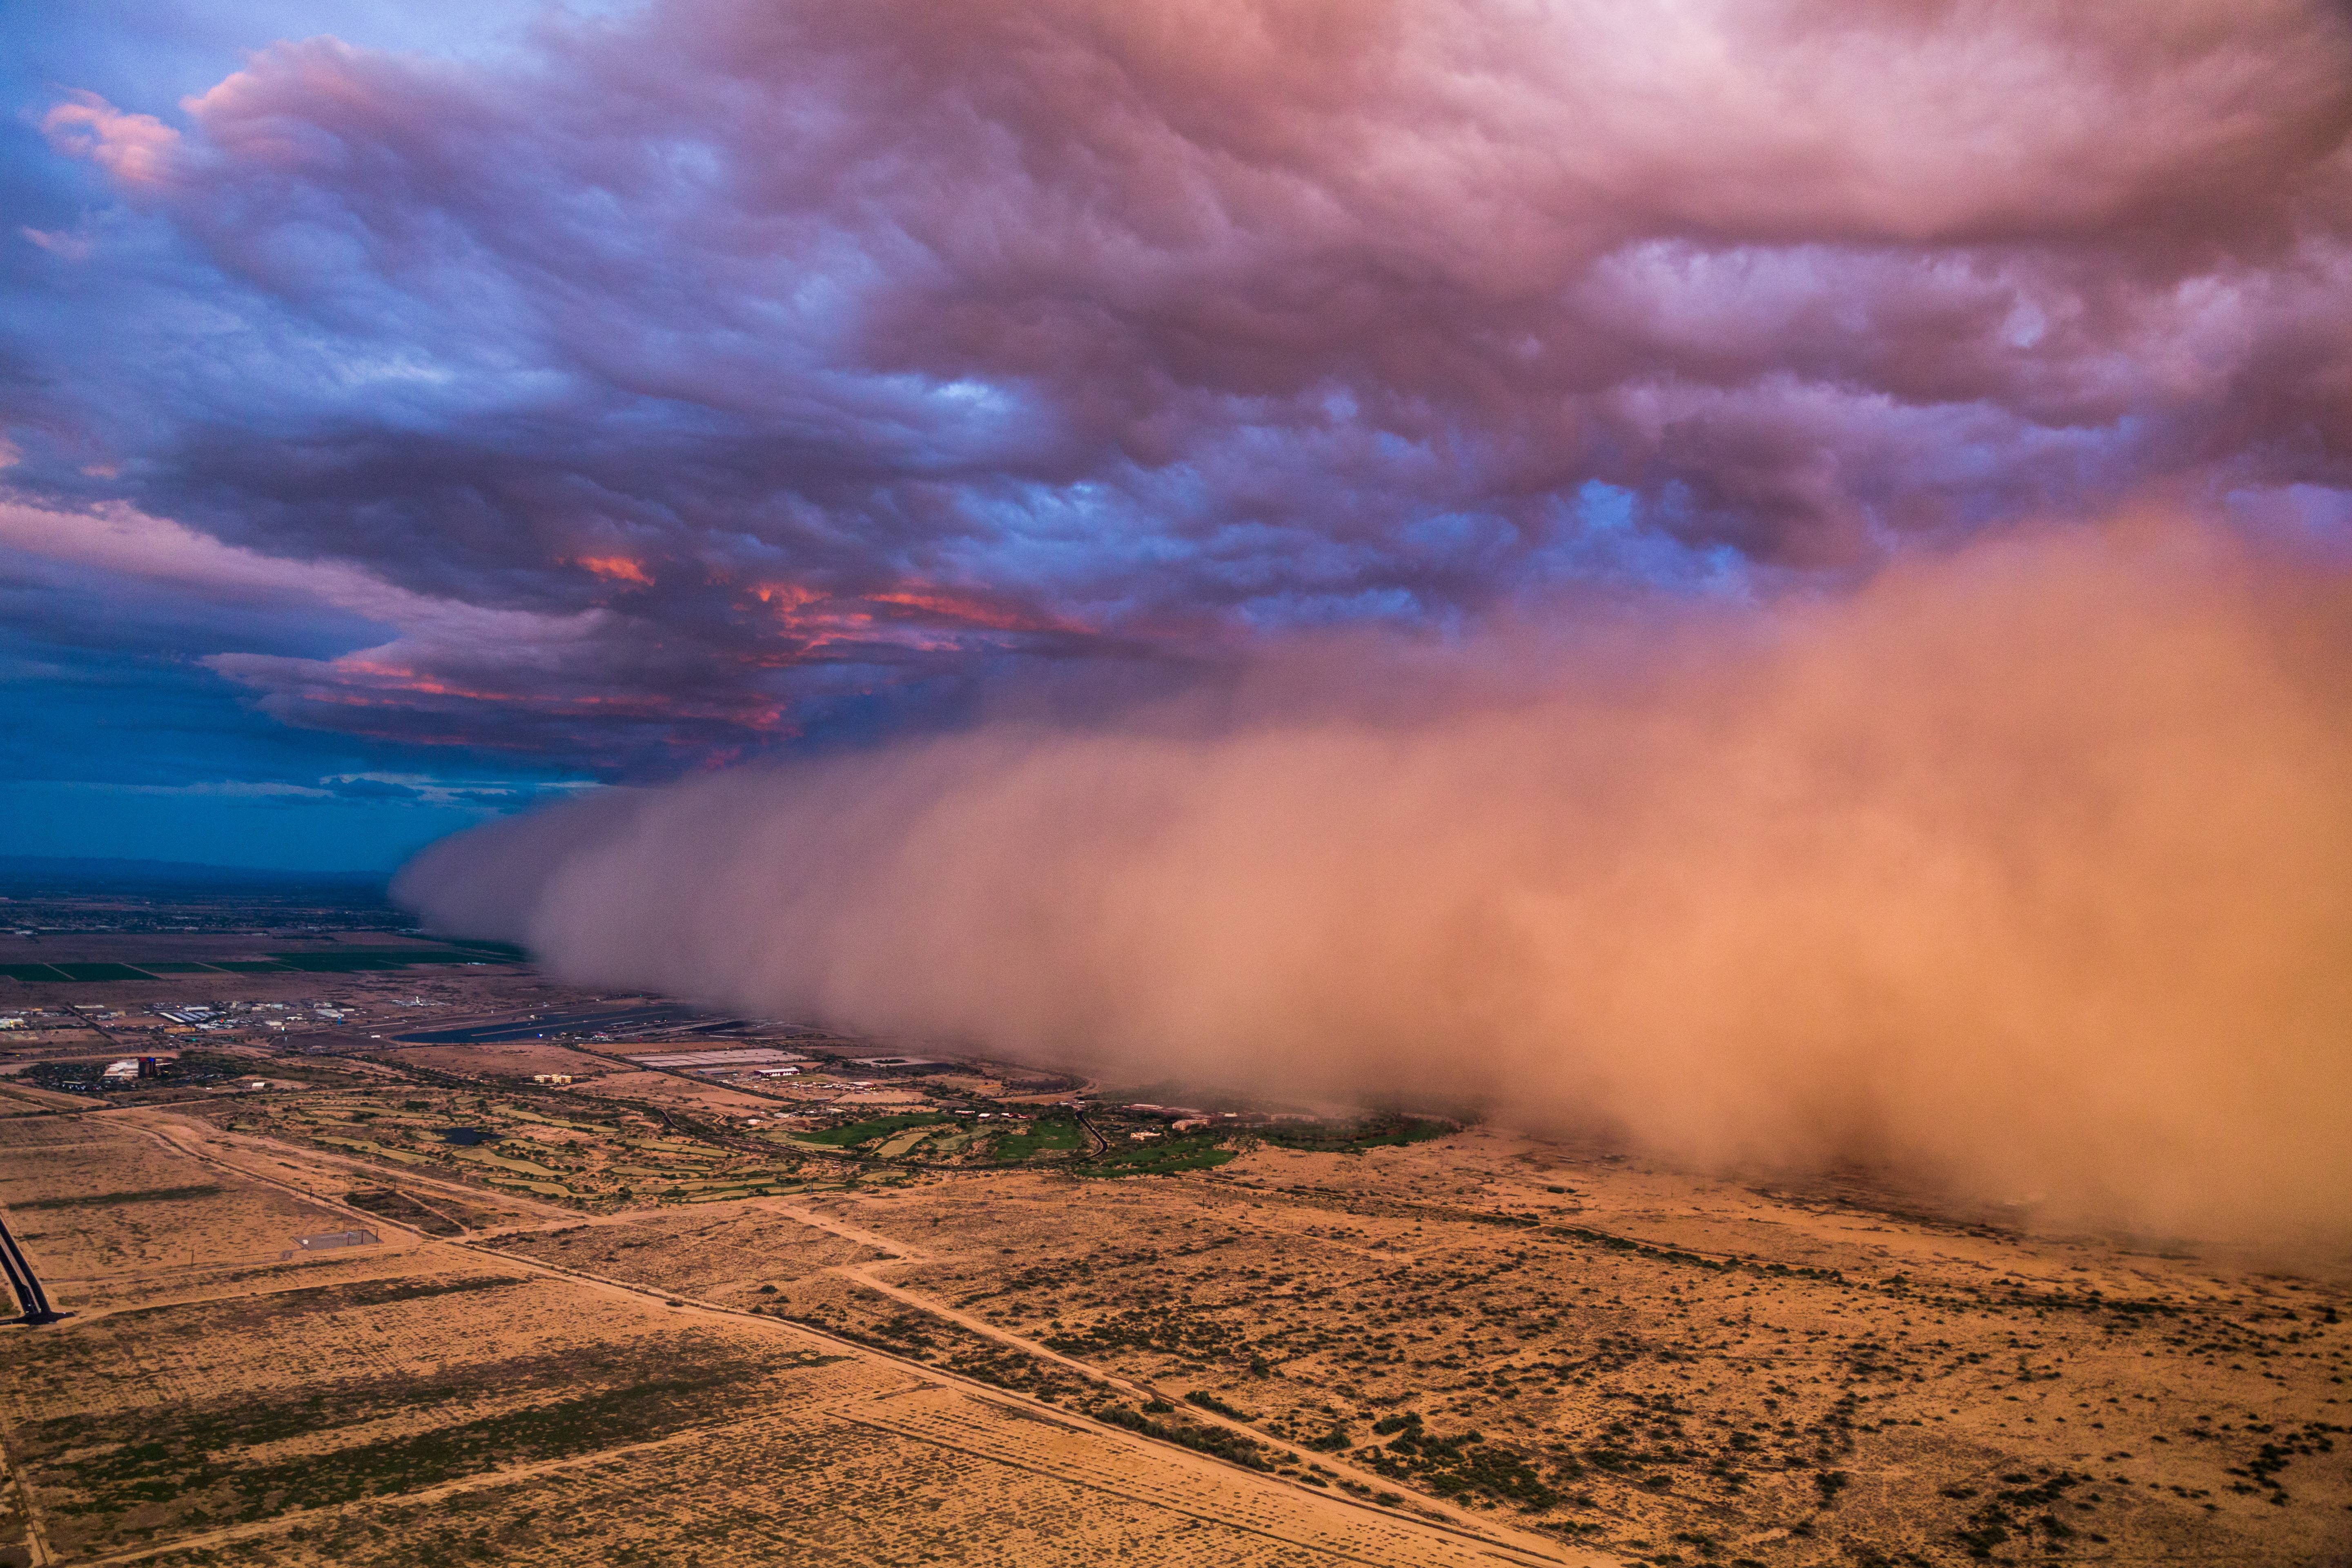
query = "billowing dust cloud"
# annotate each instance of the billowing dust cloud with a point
(2025, 870)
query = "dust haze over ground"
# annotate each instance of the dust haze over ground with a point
(2020, 869)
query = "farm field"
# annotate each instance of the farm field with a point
(967, 1311)
(1667, 1369)
(417, 1401)
(97, 1199)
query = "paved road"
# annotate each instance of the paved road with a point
(579, 1021)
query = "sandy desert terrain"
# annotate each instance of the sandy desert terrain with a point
(965, 1312)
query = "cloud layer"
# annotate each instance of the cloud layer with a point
(2027, 871)
(1419, 386)
(798, 355)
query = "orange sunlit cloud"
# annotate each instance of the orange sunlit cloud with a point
(897, 616)
(785, 597)
(618, 568)
(975, 610)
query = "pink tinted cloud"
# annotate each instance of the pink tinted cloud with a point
(1485, 222)
(1249, 312)
(602, 685)
(136, 149)
(438, 644)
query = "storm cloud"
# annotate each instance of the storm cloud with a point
(1559, 553)
(2025, 872)
(800, 355)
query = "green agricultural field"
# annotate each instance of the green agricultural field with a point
(947, 1143)
(902, 1143)
(1053, 1134)
(1354, 1138)
(1199, 1151)
(852, 1133)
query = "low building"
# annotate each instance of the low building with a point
(551, 1078)
(335, 1238)
(761, 1055)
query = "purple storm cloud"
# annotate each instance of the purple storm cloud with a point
(1768, 576)
(672, 377)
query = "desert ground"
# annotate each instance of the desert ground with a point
(962, 1311)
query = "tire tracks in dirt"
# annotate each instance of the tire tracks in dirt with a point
(1506, 1546)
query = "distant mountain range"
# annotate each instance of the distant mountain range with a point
(92, 871)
